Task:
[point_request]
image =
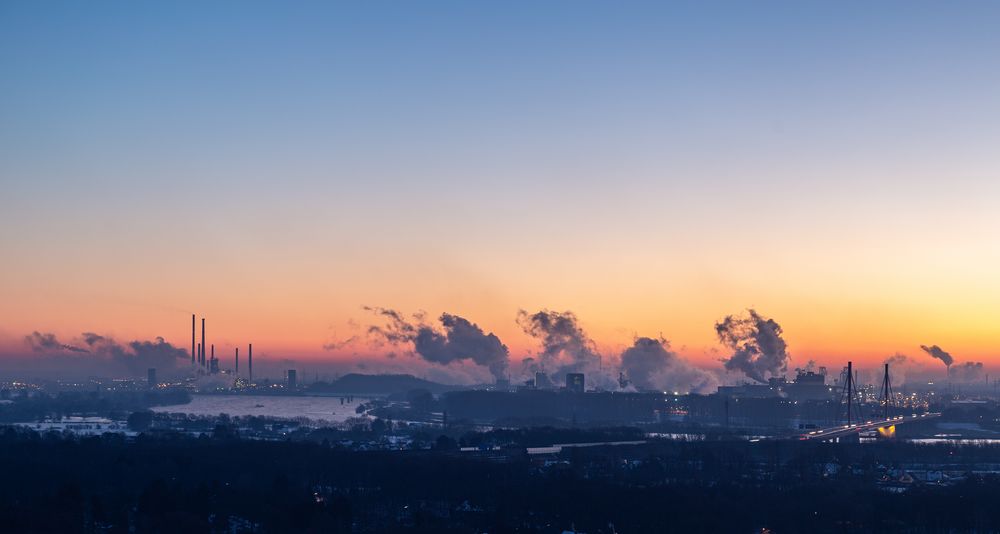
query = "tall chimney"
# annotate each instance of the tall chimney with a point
(237, 361)
(192, 339)
(203, 341)
(213, 352)
(250, 363)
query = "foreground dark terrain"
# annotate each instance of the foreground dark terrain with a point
(172, 483)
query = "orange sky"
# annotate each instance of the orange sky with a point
(294, 309)
(651, 169)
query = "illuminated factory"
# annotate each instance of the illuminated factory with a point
(209, 364)
(808, 385)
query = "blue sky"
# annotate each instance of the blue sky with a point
(632, 161)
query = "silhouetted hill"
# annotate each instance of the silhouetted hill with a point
(388, 384)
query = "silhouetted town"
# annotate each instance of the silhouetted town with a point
(397, 453)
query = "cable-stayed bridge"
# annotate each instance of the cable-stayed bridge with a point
(886, 427)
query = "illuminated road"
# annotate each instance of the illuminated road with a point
(871, 424)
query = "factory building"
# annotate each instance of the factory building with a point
(574, 382)
(808, 385)
(542, 381)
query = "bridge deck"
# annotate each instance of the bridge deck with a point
(854, 428)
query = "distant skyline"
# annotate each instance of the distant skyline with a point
(651, 167)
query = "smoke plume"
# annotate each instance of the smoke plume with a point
(133, 357)
(458, 340)
(141, 355)
(337, 345)
(650, 364)
(755, 340)
(47, 342)
(398, 330)
(897, 359)
(901, 365)
(966, 372)
(565, 346)
(91, 338)
(936, 352)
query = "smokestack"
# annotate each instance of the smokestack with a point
(203, 341)
(250, 363)
(192, 338)
(237, 361)
(213, 364)
(199, 352)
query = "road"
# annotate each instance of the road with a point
(825, 434)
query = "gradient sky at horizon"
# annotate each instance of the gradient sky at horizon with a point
(650, 166)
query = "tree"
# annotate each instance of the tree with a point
(444, 443)
(420, 400)
(140, 421)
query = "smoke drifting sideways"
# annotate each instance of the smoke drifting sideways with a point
(458, 344)
(650, 365)
(93, 353)
(936, 352)
(905, 369)
(758, 349)
(965, 372)
(459, 340)
(40, 342)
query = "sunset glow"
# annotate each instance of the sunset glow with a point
(650, 176)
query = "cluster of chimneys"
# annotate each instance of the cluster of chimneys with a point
(212, 363)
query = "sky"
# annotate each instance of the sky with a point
(652, 167)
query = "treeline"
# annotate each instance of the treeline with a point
(113, 404)
(220, 483)
(545, 436)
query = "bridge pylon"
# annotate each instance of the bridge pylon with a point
(850, 397)
(886, 398)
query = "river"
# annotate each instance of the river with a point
(324, 409)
